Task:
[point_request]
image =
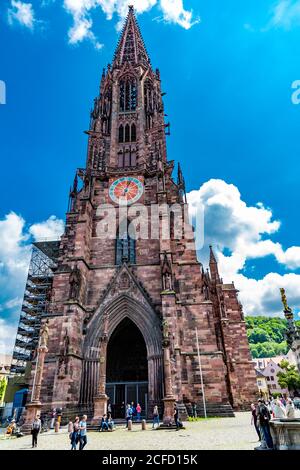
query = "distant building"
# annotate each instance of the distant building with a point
(262, 384)
(5, 361)
(262, 362)
(266, 369)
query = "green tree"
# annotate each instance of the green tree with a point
(289, 377)
(258, 335)
(3, 384)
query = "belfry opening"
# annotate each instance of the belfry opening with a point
(127, 368)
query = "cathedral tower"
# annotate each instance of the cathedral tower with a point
(125, 307)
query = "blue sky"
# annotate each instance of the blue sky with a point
(227, 68)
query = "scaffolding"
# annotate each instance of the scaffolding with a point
(35, 302)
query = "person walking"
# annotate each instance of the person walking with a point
(264, 417)
(254, 419)
(138, 412)
(53, 416)
(82, 433)
(155, 417)
(128, 414)
(133, 410)
(177, 421)
(75, 434)
(109, 410)
(35, 429)
(290, 409)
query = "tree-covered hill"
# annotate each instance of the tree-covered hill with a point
(266, 336)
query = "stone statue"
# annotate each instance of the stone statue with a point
(62, 369)
(44, 335)
(287, 309)
(165, 326)
(75, 283)
(167, 281)
(66, 344)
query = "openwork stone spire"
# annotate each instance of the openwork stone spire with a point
(131, 47)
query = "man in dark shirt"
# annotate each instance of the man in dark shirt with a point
(263, 415)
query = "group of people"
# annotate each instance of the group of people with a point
(264, 411)
(133, 412)
(156, 422)
(107, 424)
(78, 432)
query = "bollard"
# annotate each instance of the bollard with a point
(143, 425)
(130, 425)
(57, 426)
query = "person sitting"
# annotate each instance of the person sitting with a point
(110, 424)
(11, 428)
(104, 423)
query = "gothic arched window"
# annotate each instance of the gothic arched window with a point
(125, 245)
(122, 96)
(127, 133)
(133, 133)
(121, 133)
(128, 94)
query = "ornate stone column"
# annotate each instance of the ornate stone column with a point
(169, 398)
(34, 407)
(100, 401)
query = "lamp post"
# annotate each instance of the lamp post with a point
(201, 375)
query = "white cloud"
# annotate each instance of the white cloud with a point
(15, 251)
(8, 332)
(81, 11)
(174, 12)
(49, 229)
(21, 13)
(285, 14)
(246, 231)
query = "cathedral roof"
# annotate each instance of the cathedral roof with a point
(131, 48)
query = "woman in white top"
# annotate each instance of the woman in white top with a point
(278, 409)
(290, 409)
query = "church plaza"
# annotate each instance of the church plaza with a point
(212, 434)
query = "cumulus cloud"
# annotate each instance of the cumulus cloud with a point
(81, 11)
(15, 251)
(22, 13)
(245, 232)
(174, 12)
(50, 229)
(285, 14)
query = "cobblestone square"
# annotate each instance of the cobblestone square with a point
(215, 433)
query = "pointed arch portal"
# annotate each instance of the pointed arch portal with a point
(134, 366)
(126, 368)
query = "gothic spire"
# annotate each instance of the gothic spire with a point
(213, 266)
(131, 47)
(181, 182)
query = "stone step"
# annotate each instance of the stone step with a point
(212, 409)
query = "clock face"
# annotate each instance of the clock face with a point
(126, 190)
